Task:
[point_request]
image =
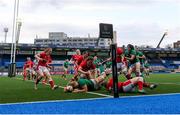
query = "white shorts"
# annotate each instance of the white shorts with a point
(121, 67)
(43, 70)
(33, 72)
(128, 86)
(83, 76)
(30, 70)
(65, 69)
(96, 85)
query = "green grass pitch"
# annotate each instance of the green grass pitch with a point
(14, 90)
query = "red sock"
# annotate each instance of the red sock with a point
(51, 83)
(140, 85)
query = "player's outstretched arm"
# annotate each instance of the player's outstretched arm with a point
(84, 89)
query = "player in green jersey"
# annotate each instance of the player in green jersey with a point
(142, 59)
(65, 68)
(146, 66)
(84, 85)
(133, 60)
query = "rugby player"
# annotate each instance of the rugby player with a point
(142, 59)
(146, 68)
(84, 85)
(78, 61)
(65, 68)
(108, 65)
(43, 66)
(74, 60)
(87, 68)
(27, 69)
(49, 61)
(134, 63)
(121, 61)
(129, 85)
(99, 66)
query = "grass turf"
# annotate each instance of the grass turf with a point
(15, 90)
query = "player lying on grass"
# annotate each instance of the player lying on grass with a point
(84, 85)
(42, 68)
(129, 85)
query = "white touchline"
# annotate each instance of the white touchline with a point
(52, 101)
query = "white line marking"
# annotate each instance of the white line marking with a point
(51, 101)
(167, 83)
(94, 93)
(100, 94)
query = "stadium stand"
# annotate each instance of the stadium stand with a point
(160, 59)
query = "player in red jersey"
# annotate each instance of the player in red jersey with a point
(28, 68)
(75, 57)
(121, 61)
(87, 68)
(43, 66)
(129, 85)
(83, 57)
(49, 61)
(77, 62)
(74, 61)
